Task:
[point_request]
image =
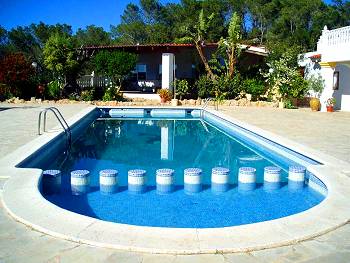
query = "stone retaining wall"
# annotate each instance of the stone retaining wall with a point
(142, 102)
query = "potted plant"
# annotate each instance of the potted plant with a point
(164, 95)
(330, 104)
(316, 86)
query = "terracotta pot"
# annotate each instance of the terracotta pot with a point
(330, 108)
(162, 100)
(315, 104)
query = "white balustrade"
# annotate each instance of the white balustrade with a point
(335, 37)
(334, 45)
(89, 81)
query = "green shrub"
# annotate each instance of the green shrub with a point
(54, 90)
(87, 95)
(222, 87)
(288, 104)
(205, 87)
(5, 92)
(112, 93)
(117, 65)
(181, 88)
(255, 87)
(299, 87)
(231, 87)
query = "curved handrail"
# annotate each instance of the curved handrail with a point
(205, 105)
(206, 102)
(60, 119)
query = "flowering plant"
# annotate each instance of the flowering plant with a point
(284, 78)
(331, 102)
(165, 94)
(280, 78)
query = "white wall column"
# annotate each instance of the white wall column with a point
(327, 71)
(168, 61)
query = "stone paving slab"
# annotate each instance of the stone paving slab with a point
(19, 122)
(328, 133)
(322, 131)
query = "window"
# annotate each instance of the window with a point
(141, 71)
(336, 80)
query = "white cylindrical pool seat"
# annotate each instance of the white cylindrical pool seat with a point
(51, 181)
(192, 180)
(219, 179)
(246, 178)
(165, 181)
(108, 181)
(80, 182)
(137, 181)
(296, 177)
(272, 178)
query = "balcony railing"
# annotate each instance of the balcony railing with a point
(335, 37)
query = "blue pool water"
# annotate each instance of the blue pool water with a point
(149, 144)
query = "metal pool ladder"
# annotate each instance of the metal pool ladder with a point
(205, 105)
(61, 120)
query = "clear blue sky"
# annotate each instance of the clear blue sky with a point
(78, 13)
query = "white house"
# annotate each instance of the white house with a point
(332, 62)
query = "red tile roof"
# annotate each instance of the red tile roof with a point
(317, 56)
(169, 46)
(148, 45)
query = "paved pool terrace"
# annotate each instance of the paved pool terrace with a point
(328, 133)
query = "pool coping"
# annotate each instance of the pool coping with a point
(21, 189)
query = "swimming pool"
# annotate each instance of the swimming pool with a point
(150, 140)
(328, 205)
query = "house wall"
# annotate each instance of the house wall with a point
(334, 48)
(184, 60)
(342, 95)
(152, 60)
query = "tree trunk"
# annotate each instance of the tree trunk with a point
(232, 63)
(71, 86)
(204, 60)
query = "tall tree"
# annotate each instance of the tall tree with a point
(60, 56)
(231, 45)
(3, 41)
(262, 13)
(294, 21)
(22, 40)
(142, 24)
(16, 72)
(92, 36)
(131, 28)
(197, 34)
(42, 31)
(117, 65)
